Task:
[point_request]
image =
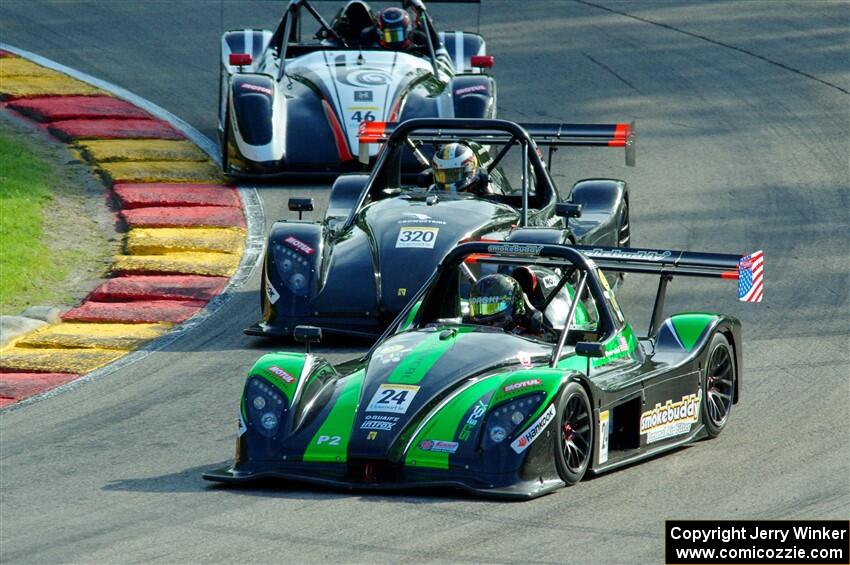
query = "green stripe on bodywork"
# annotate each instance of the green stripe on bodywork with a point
(292, 363)
(416, 364)
(410, 316)
(444, 425)
(338, 423)
(689, 327)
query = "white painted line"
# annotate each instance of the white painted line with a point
(251, 204)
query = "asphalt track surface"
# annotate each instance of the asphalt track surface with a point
(742, 112)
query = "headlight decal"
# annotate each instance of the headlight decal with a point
(265, 405)
(293, 267)
(507, 418)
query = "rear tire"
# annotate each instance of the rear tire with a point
(718, 387)
(574, 444)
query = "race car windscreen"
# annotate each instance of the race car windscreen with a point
(504, 179)
(548, 292)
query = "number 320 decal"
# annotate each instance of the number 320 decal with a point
(392, 398)
(418, 237)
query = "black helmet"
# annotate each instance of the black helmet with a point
(496, 300)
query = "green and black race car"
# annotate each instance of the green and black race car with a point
(439, 401)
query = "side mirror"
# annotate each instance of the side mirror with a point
(482, 61)
(307, 335)
(300, 205)
(240, 59)
(589, 349)
(568, 210)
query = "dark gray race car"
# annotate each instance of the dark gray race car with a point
(384, 233)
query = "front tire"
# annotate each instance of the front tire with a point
(718, 388)
(574, 444)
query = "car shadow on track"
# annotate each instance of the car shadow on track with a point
(190, 480)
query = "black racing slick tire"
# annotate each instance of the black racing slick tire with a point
(574, 444)
(718, 387)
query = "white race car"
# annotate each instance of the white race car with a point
(293, 106)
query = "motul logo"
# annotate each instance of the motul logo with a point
(257, 88)
(299, 245)
(521, 384)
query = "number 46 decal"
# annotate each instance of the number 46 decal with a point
(392, 398)
(359, 116)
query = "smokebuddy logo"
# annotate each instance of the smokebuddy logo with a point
(670, 419)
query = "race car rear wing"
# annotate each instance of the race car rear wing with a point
(747, 270)
(495, 131)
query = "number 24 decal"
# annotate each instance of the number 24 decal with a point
(392, 398)
(390, 395)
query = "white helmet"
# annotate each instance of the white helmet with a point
(455, 166)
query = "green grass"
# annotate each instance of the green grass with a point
(27, 266)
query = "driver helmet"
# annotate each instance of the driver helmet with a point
(394, 28)
(455, 167)
(496, 300)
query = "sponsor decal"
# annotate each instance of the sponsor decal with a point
(521, 443)
(472, 421)
(362, 95)
(256, 88)
(549, 281)
(379, 422)
(271, 292)
(417, 218)
(298, 245)
(362, 77)
(521, 384)
(525, 360)
(438, 446)
(418, 237)
(284, 376)
(392, 398)
(469, 89)
(603, 436)
(514, 249)
(623, 254)
(371, 435)
(490, 299)
(402, 292)
(670, 419)
(390, 353)
(328, 440)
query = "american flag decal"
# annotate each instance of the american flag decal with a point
(751, 277)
